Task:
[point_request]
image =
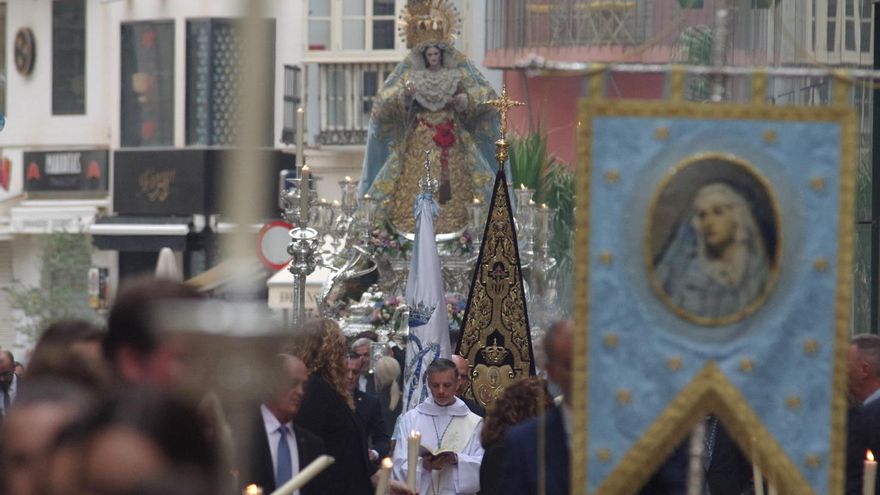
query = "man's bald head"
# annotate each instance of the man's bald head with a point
(558, 342)
(464, 376)
(7, 369)
(6, 357)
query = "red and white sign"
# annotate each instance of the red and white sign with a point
(272, 242)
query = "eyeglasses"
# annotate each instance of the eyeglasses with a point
(362, 354)
(6, 374)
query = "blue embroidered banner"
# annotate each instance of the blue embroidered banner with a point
(714, 277)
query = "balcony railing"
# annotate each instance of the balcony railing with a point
(346, 99)
(599, 29)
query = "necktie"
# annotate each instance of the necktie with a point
(284, 467)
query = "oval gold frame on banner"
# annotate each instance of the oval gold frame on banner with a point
(774, 255)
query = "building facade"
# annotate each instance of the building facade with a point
(121, 116)
(814, 33)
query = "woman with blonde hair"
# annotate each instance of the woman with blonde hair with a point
(386, 374)
(328, 409)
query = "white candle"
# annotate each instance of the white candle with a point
(384, 475)
(772, 489)
(304, 193)
(870, 474)
(300, 127)
(305, 475)
(415, 439)
(758, 480)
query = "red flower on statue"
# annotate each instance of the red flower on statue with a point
(444, 137)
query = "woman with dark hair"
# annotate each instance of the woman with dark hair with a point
(71, 349)
(521, 400)
(133, 440)
(328, 407)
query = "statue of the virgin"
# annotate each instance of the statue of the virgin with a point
(432, 101)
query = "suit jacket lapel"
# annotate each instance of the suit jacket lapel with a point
(305, 450)
(263, 470)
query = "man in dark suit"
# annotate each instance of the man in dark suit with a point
(521, 463)
(863, 418)
(369, 412)
(361, 348)
(464, 380)
(280, 447)
(520, 474)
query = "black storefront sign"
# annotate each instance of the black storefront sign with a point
(184, 181)
(64, 171)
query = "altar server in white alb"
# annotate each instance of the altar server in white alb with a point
(449, 430)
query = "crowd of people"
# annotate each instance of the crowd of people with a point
(112, 411)
(105, 411)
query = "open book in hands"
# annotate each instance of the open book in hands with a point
(435, 455)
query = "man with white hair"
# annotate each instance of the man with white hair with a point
(361, 348)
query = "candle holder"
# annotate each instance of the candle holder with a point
(368, 212)
(541, 299)
(544, 217)
(349, 196)
(524, 219)
(302, 248)
(476, 223)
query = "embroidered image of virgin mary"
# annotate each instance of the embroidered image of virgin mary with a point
(717, 266)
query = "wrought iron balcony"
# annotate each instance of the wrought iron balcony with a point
(617, 30)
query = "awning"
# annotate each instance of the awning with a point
(46, 219)
(248, 271)
(128, 233)
(281, 288)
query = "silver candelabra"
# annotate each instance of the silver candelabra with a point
(324, 234)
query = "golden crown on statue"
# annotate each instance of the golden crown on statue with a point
(429, 21)
(494, 354)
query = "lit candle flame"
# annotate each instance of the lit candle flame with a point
(367, 196)
(522, 186)
(477, 201)
(298, 110)
(869, 456)
(543, 206)
(347, 178)
(386, 463)
(531, 202)
(253, 490)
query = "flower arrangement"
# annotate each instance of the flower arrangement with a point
(465, 244)
(383, 310)
(384, 242)
(455, 306)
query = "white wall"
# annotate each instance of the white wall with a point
(30, 123)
